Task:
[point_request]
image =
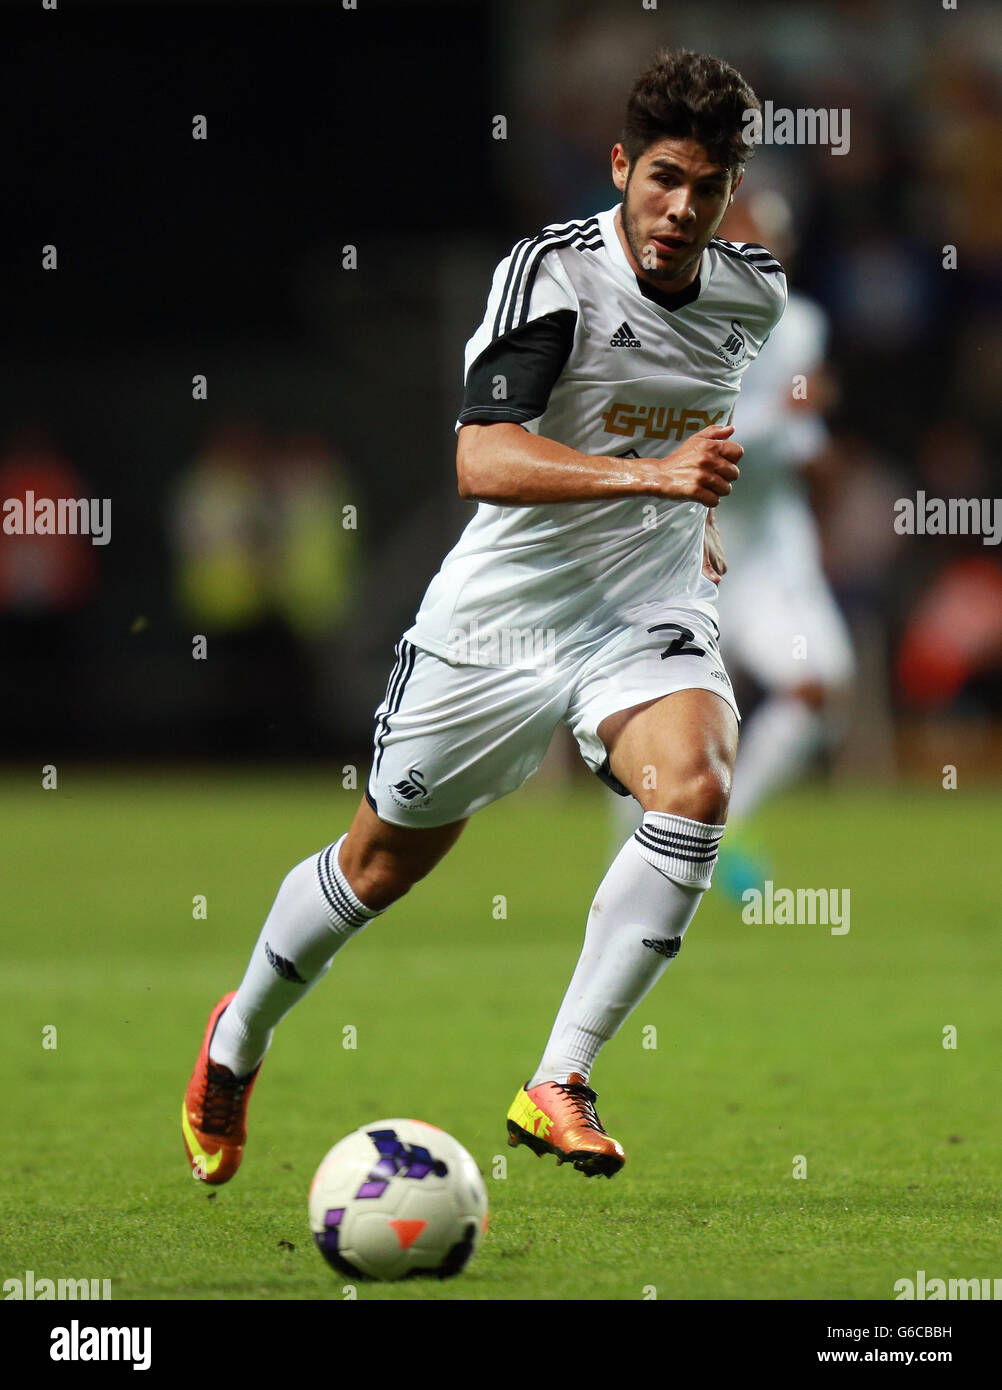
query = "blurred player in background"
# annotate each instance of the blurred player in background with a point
(779, 622)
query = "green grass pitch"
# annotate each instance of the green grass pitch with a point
(773, 1042)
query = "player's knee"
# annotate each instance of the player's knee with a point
(701, 793)
(813, 694)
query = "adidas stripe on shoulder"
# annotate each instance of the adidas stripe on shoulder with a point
(525, 261)
(750, 252)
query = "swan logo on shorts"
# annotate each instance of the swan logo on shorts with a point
(410, 790)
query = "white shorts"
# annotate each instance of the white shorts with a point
(778, 618)
(450, 739)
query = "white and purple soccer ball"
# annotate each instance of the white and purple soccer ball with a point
(398, 1198)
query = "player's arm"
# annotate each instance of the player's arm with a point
(508, 465)
(513, 362)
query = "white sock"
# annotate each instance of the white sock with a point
(776, 746)
(313, 916)
(635, 928)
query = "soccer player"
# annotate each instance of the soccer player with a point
(594, 435)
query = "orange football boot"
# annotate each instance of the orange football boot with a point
(214, 1112)
(560, 1118)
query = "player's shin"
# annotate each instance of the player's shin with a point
(635, 928)
(314, 915)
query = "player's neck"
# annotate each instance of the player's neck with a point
(668, 288)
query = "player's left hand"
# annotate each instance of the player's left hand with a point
(714, 560)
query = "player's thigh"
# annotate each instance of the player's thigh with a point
(450, 739)
(654, 712)
(676, 753)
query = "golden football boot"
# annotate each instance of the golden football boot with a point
(560, 1118)
(214, 1112)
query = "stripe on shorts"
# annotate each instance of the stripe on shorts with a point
(406, 654)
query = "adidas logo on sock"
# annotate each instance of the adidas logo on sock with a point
(665, 946)
(283, 967)
(624, 337)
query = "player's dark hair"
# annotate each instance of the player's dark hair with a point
(686, 95)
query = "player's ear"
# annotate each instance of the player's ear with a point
(620, 167)
(736, 185)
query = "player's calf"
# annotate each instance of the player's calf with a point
(639, 916)
(383, 861)
(318, 909)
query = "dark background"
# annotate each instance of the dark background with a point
(373, 128)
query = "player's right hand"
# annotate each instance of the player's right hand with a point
(703, 468)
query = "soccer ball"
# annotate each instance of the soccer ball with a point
(398, 1198)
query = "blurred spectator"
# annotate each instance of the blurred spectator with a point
(265, 554)
(43, 576)
(222, 534)
(315, 552)
(953, 638)
(45, 580)
(856, 487)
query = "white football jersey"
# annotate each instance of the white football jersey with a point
(576, 348)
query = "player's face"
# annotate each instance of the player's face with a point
(674, 199)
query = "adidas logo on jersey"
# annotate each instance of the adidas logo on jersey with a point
(624, 336)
